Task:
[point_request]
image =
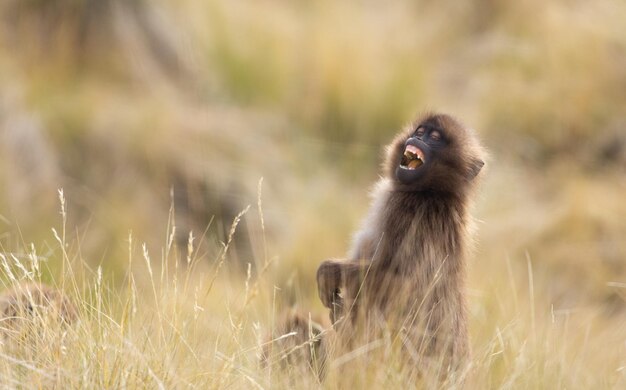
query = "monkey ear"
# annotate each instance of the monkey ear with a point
(474, 168)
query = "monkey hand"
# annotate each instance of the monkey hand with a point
(329, 280)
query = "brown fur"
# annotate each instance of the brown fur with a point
(297, 344)
(405, 272)
(25, 305)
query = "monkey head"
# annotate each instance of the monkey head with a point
(436, 153)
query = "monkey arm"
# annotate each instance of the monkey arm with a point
(329, 282)
(335, 276)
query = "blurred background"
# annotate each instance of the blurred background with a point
(146, 112)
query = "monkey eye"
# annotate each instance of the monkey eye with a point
(435, 135)
(419, 132)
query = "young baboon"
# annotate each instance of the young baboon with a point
(405, 272)
(298, 344)
(25, 307)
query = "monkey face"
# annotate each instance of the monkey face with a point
(419, 150)
(436, 153)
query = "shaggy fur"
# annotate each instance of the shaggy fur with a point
(27, 305)
(405, 272)
(297, 345)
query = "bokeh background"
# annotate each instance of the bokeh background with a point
(152, 114)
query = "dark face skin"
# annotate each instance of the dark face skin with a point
(437, 154)
(415, 163)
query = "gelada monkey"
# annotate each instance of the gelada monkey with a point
(405, 271)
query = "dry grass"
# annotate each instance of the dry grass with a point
(194, 322)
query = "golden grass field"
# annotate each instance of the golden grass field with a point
(180, 168)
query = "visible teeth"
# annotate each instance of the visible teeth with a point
(412, 158)
(415, 163)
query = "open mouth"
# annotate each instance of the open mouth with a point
(413, 158)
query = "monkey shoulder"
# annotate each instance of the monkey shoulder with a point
(367, 238)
